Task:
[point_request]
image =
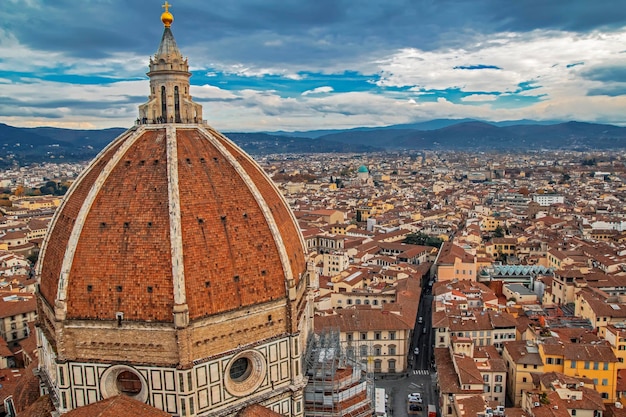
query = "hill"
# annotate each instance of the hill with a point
(474, 135)
(27, 145)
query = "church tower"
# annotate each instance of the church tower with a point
(174, 272)
(169, 74)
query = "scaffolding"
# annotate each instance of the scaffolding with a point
(338, 386)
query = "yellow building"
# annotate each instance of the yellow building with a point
(564, 286)
(491, 223)
(363, 213)
(522, 359)
(595, 361)
(615, 334)
(559, 259)
(341, 228)
(453, 262)
(417, 215)
(37, 203)
(600, 310)
(327, 216)
(502, 246)
(380, 206)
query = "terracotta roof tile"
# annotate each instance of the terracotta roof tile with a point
(12, 303)
(257, 411)
(26, 390)
(51, 258)
(354, 320)
(120, 405)
(42, 407)
(232, 256)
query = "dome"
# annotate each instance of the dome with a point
(363, 169)
(173, 272)
(167, 216)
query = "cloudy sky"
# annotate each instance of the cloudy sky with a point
(264, 65)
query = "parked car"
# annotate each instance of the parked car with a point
(415, 397)
(416, 351)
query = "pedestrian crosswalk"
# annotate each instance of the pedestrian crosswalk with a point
(421, 372)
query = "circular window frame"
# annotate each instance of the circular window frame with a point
(108, 383)
(254, 376)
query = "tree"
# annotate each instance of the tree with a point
(499, 232)
(422, 239)
(48, 189)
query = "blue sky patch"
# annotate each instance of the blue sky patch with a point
(285, 86)
(477, 67)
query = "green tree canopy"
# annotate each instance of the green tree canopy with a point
(422, 239)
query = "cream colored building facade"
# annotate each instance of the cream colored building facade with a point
(380, 341)
(20, 309)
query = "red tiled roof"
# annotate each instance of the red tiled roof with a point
(26, 390)
(232, 255)
(257, 411)
(42, 407)
(10, 380)
(4, 349)
(120, 405)
(354, 320)
(450, 252)
(12, 303)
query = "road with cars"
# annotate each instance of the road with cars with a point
(421, 378)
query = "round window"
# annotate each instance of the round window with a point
(240, 369)
(245, 373)
(123, 380)
(128, 383)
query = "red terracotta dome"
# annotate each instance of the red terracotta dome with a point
(170, 215)
(173, 272)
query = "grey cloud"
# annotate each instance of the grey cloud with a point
(218, 100)
(87, 103)
(606, 74)
(609, 90)
(309, 32)
(8, 111)
(572, 15)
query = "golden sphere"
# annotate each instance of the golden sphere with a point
(167, 18)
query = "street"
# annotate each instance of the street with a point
(421, 376)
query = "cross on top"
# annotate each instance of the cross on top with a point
(166, 6)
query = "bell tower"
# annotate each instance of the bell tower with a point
(169, 101)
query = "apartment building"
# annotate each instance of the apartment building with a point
(16, 311)
(522, 359)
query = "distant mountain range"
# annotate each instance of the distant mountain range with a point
(26, 145)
